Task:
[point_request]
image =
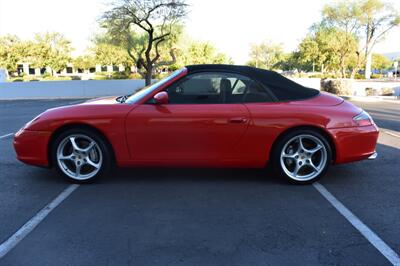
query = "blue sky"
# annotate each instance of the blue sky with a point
(230, 25)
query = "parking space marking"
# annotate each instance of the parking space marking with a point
(373, 238)
(391, 134)
(11, 242)
(77, 102)
(6, 136)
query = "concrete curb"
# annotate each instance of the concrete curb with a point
(53, 98)
(392, 99)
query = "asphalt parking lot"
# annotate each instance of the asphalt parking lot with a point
(201, 216)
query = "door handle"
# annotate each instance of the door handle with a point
(238, 120)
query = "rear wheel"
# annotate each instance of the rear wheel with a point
(302, 156)
(81, 155)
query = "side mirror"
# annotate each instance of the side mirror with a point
(161, 98)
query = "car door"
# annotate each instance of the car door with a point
(198, 124)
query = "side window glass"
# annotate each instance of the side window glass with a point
(255, 93)
(206, 84)
(209, 88)
(239, 87)
(233, 89)
(196, 89)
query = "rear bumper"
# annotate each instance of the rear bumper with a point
(31, 147)
(355, 143)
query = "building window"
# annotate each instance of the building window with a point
(20, 69)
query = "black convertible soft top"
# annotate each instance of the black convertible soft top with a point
(283, 88)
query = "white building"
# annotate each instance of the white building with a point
(70, 70)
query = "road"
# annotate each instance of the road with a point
(200, 216)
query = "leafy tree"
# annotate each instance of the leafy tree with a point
(51, 49)
(291, 61)
(381, 62)
(84, 62)
(312, 54)
(191, 52)
(14, 51)
(10, 52)
(142, 27)
(109, 54)
(376, 19)
(265, 55)
(370, 20)
(328, 48)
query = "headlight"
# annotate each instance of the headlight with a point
(363, 119)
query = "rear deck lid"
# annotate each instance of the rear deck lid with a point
(322, 99)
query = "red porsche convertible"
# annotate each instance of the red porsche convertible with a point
(203, 116)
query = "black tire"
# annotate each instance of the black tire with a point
(284, 141)
(102, 147)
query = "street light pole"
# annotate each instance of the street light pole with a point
(395, 64)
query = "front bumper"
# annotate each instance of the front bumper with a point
(32, 147)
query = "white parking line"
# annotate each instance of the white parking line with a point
(76, 102)
(10, 243)
(391, 134)
(373, 238)
(6, 136)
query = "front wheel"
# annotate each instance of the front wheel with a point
(302, 156)
(81, 155)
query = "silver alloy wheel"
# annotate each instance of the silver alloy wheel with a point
(303, 157)
(79, 157)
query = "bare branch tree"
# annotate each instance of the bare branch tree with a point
(142, 27)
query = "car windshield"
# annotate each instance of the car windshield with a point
(140, 93)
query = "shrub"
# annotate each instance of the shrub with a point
(359, 76)
(51, 78)
(120, 75)
(387, 91)
(322, 76)
(371, 92)
(46, 75)
(337, 86)
(376, 76)
(101, 76)
(113, 75)
(135, 76)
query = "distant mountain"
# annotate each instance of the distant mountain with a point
(392, 56)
